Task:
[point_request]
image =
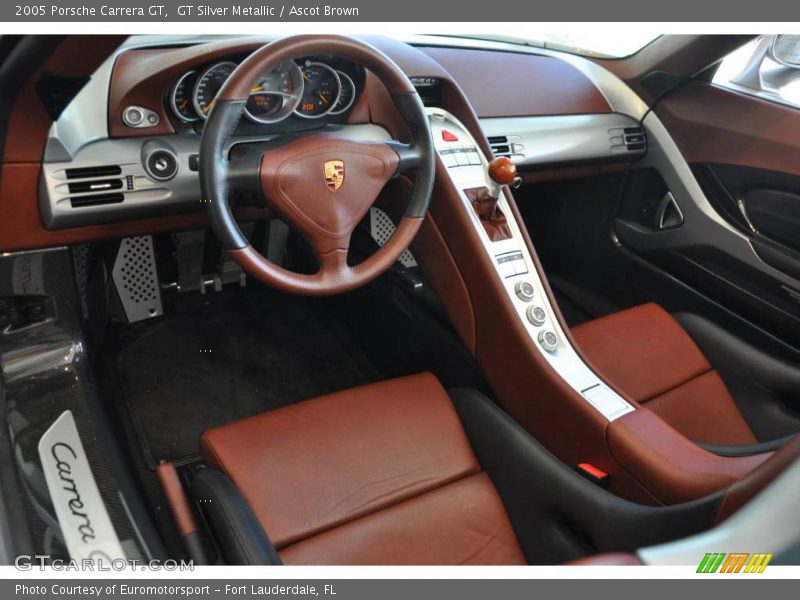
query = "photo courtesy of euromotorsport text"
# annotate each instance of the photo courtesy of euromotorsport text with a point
(380, 299)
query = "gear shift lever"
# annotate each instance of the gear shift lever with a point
(502, 171)
(484, 200)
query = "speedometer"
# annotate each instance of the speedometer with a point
(321, 89)
(208, 86)
(276, 94)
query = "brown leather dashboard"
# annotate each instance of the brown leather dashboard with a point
(521, 84)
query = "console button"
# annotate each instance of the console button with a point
(548, 340)
(133, 116)
(536, 315)
(524, 291)
(449, 136)
(449, 159)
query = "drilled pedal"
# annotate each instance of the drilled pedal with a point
(381, 228)
(135, 277)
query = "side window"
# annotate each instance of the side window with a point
(767, 67)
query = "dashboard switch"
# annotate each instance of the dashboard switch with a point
(524, 291)
(449, 136)
(536, 315)
(139, 117)
(548, 340)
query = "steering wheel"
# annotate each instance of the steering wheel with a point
(320, 184)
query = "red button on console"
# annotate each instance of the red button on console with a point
(447, 136)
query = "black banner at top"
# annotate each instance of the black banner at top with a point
(464, 11)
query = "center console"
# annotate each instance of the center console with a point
(469, 171)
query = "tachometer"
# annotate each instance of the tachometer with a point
(321, 89)
(276, 94)
(346, 95)
(208, 86)
(180, 98)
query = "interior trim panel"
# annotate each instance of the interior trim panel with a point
(565, 139)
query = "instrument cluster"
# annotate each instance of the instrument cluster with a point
(308, 88)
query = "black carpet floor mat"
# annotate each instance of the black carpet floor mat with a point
(226, 356)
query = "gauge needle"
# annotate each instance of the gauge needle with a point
(208, 107)
(183, 104)
(323, 98)
(258, 88)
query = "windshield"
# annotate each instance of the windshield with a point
(599, 44)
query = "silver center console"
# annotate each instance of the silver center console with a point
(468, 168)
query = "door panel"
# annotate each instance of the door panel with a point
(737, 240)
(716, 125)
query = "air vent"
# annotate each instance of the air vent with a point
(95, 186)
(500, 145)
(634, 138)
(87, 172)
(96, 200)
(627, 139)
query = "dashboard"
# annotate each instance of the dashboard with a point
(139, 160)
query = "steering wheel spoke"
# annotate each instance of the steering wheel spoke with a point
(411, 157)
(243, 169)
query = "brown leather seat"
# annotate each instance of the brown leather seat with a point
(382, 474)
(644, 352)
(402, 472)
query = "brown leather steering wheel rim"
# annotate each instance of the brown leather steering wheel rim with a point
(327, 233)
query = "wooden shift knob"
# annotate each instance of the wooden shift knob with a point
(502, 170)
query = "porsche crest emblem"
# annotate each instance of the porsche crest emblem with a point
(334, 174)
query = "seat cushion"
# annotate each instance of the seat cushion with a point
(366, 464)
(645, 352)
(462, 523)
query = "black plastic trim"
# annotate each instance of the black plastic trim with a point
(236, 527)
(557, 514)
(745, 450)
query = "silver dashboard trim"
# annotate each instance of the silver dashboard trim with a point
(149, 197)
(562, 138)
(85, 119)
